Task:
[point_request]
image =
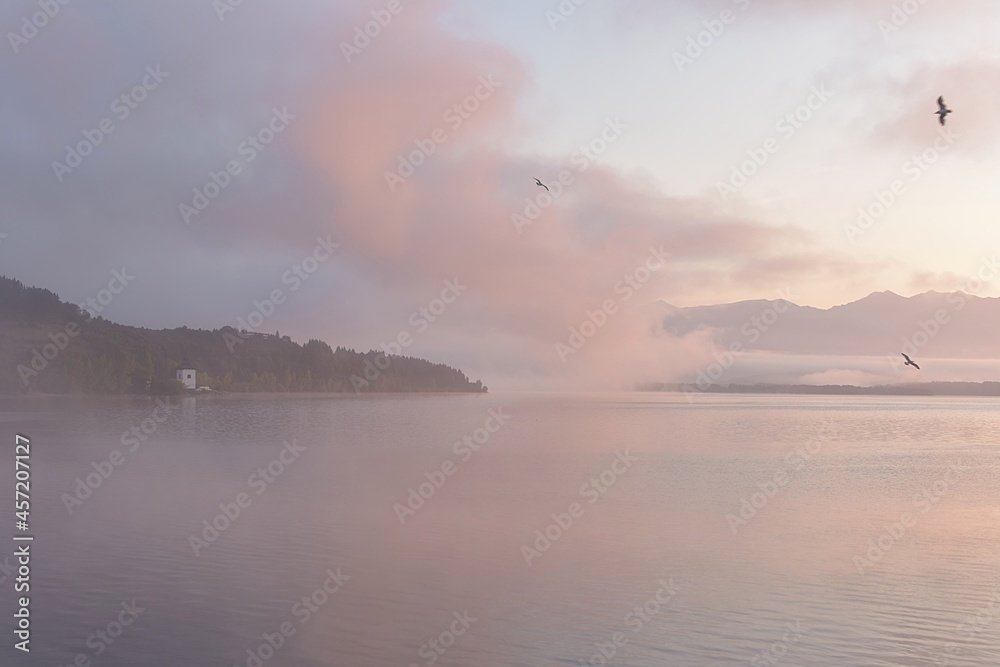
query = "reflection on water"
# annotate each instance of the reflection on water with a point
(404, 530)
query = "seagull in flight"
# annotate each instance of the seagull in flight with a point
(909, 362)
(943, 110)
(540, 184)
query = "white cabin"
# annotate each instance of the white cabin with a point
(186, 375)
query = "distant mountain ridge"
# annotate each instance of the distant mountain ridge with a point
(952, 324)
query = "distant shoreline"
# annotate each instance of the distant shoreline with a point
(914, 389)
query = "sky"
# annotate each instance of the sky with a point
(219, 154)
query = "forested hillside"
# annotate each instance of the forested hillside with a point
(48, 346)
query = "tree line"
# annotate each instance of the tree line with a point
(108, 358)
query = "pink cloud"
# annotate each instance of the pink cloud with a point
(452, 218)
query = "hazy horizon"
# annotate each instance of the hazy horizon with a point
(775, 341)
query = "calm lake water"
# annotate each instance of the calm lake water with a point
(869, 535)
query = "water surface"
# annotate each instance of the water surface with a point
(870, 534)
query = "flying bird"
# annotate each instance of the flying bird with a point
(909, 362)
(540, 184)
(942, 111)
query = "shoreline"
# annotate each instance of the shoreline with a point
(262, 394)
(973, 389)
